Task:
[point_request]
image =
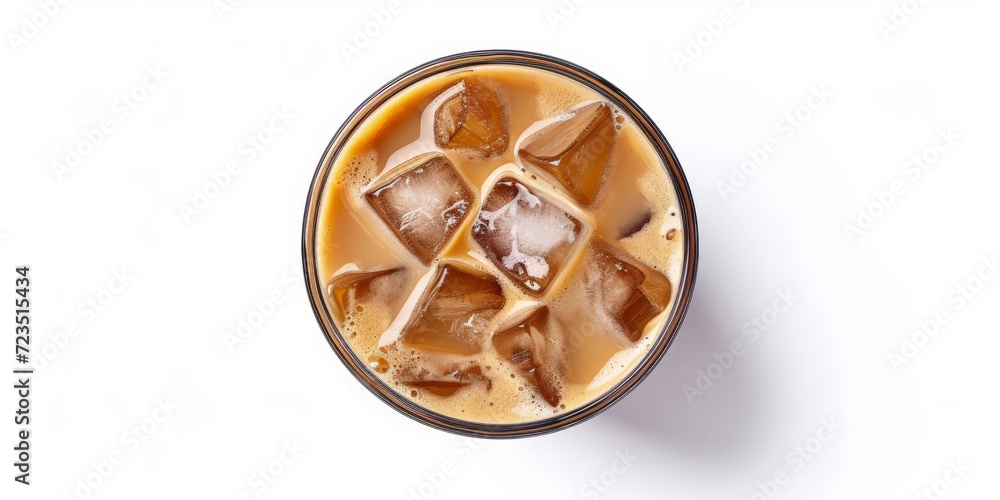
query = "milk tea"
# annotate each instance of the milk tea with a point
(500, 244)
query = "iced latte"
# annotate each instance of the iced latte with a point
(498, 244)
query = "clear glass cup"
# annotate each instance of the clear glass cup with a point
(357, 367)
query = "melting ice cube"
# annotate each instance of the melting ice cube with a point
(576, 150)
(526, 236)
(473, 119)
(424, 204)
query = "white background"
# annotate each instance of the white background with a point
(191, 282)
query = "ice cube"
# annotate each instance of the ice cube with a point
(525, 235)
(424, 204)
(576, 150)
(454, 312)
(444, 380)
(533, 347)
(473, 119)
(351, 288)
(627, 290)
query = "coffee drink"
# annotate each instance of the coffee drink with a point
(499, 244)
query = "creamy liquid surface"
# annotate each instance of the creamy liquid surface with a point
(592, 352)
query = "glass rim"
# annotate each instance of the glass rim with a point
(315, 287)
